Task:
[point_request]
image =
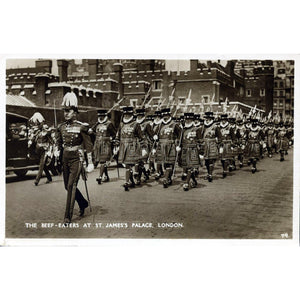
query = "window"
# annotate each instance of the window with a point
(262, 92)
(206, 99)
(181, 99)
(241, 91)
(281, 93)
(276, 84)
(157, 85)
(248, 92)
(280, 103)
(275, 103)
(281, 84)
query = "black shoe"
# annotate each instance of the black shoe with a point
(209, 178)
(186, 187)
(194, 183)
(106, 179)
(132, 184)
(253, 170)
(48, 181)
(67, 221)
(165, 183)
(281, 159)
(157, 176)
(183, 176)
(230, 168)
(81, 211)
(241, 165)
(36, 183)
(138, 182)
(148, 172)
(224, 174)
(249, 163)
(126, 186)
(99, 180)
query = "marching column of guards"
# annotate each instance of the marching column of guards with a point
(159, 142)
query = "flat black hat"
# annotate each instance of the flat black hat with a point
(128, 109)
(189, 115)
(196, 116)
(158, 113)
(231, 119)
(209, 114)
(140, 111)
(102, 112)
(224, 117)
(166, 111)
(150, 117)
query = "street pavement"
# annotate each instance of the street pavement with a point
(241, 206)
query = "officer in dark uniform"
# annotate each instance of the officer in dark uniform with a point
(72, 141)
(105, 133)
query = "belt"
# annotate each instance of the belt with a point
(72, 148)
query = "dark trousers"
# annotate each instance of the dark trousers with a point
(43, 167)
(72, 167)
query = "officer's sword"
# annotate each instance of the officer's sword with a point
(86, 188)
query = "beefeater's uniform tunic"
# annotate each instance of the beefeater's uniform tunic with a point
(210, 137)
(130, 135)
(191, 147)
(227, 138)
(168, 137)
(255, 136)
(105, 134)
(282, 139)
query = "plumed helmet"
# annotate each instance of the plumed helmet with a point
(70, 101)
(37, 118)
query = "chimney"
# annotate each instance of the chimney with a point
(193, 65)
(44, 66)
(62, 70)
(118, 69)
(93, 68)
(41, 85)
(230, 67)
(208, 63)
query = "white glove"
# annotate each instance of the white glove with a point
(29, 143)
(264, 145)
(178, 148)
(221, 150)
(90, 168)
(144, 152)
(153, 151)
(243, 147)
(201, 156)
(56, 153)
(155, 137)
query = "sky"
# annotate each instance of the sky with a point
(172, 65)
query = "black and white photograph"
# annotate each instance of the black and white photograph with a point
(149, 148)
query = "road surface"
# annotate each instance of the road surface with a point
(241, 206)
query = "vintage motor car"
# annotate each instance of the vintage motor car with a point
(20, 156)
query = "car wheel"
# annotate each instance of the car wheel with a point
(20, 173)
